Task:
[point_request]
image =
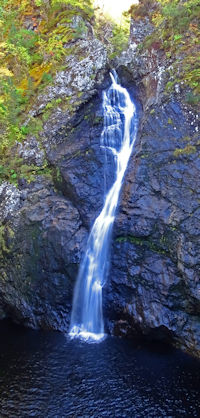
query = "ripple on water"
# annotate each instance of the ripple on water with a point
(49, 375)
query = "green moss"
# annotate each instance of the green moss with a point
(145, 155)
(57, 175)
(50, 107)
(186, 138)
(53, 103)
(89, 151)
(192, 99)
(92, 119)
(189, 149)
(142, 242)
(97, 120)
(3, 246)
(6, 237)
(173, 228)
(46, 115)
(79, 94)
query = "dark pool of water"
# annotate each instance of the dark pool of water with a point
(47, 375)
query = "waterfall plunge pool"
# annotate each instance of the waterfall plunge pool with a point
(45, 374)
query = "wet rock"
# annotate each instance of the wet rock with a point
(39, 260)
(47, 224)
(155, 269)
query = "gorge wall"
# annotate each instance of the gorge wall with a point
(153, 285)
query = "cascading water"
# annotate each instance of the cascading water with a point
(118, 137)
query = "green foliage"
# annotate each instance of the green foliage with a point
(85, 6)
(57, 175)
(114, 36)
(142, 9)
(33, 35)
(192, 99)
(177, 29)
(81, 30)
(53, 103)
(120, 37)
(14, 169)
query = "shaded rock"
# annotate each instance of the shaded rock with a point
(49, 223)
(39, 260)
(153, 286)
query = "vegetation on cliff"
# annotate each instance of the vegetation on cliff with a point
(32, 49)
(114, 35)
(177, 32)
(33, 40)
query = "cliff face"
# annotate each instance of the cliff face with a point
(156, 250)
(45, 222)
(153, 285)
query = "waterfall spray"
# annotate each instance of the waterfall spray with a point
(118, 137)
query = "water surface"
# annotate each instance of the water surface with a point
(47, 375)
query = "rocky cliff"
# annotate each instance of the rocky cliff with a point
(153, 286)
(156, 249)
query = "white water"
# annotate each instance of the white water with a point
(118, 137)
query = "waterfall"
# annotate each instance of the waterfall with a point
(118, 137)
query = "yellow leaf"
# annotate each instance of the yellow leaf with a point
(4, 72)
(37, 72)
(3, 45)
(23, 85)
